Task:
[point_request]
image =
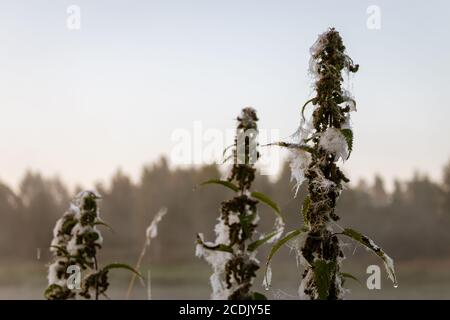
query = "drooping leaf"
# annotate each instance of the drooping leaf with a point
(348, 135)
(352, 101)
(227, 158)
(254, 245)
(290, 235)
(367, 242)
(345, 275)
(226, 149)
(265, 199)
(304, 106)
(224, 183)
(121, 266)
(322, 277)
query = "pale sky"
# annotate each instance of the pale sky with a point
(82, 103)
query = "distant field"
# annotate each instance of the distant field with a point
(421, 279)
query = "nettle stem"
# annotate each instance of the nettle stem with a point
(234, 265)
(233, 254)
(75, 244)
(321, 141)
(331, 115)
(96, 280)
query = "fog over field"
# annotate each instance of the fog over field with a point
(113, 110)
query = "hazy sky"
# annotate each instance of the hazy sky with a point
(81, 103)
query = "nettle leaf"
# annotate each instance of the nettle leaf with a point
(102, 223)
(305, 208)
(226, 149)
(304, 106)
(254, 245)
(345, 275)
(265, 199)
(323, 271)
(68, 225)
(258, 296)
(227, 159)
(288, 145)
(121, 266)
(367, 242)
(62, 250)
(224, 183)
(289, 236)
(224, 248)
(219, 247)
(348, 135)
(246, 223)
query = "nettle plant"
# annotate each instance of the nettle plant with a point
(233, 253)
(75, 245)
(321, 141)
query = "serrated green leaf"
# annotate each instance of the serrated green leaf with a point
(265, 199)
(323, 271)
(224, 183)
(121, 266)
(254, 245)
(367, 242)
(348, 135)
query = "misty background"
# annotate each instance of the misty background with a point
(411, 224)
(76, 105)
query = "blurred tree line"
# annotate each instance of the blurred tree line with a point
(410, 222)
